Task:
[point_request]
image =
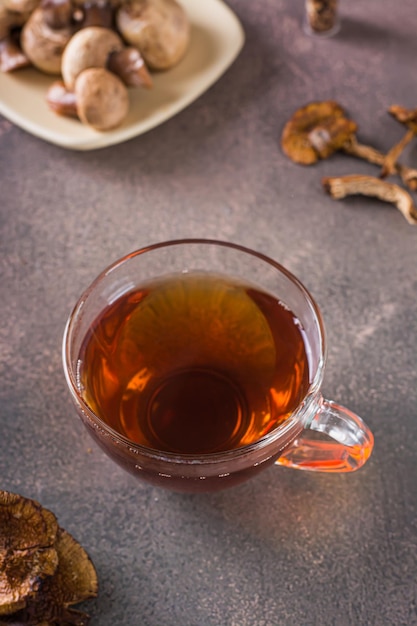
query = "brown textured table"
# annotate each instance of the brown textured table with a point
(288, 548)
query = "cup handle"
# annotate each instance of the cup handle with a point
(334, 440)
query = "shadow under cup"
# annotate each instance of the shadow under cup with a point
(317, 435)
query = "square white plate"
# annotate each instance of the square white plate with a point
(216, 39)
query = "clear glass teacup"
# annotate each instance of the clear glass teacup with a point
(195, 364)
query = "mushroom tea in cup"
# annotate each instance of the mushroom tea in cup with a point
(198, 376)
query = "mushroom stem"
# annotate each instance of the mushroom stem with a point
(129, 65)
(12, 56)
(61, 100)
(57, 13)
(340, 187)
(390, 160)
(407, 117)
(96, 13)
(372, 155)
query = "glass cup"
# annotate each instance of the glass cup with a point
(317, 434)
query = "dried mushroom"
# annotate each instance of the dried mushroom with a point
(372, 155)
(343, 186)
(409, 119)
(313, 133)
(316, 131)
(43, 570)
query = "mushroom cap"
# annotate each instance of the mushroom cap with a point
(75, 579)
(128, 64)
(44, 45)
(89, 47)
(316, 131)
(160, 29)
(102, 99)
(27, 553)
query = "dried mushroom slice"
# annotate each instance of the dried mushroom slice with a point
(21, 575)
(25, 524)
(75, 579)
(316, 131)
(43, 569)
(27, 554)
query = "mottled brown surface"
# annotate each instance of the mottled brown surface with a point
(288, 547)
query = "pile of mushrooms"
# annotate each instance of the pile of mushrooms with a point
(319, 129)
(43, 570)
(99, 48)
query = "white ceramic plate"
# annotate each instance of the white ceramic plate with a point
(216, 39)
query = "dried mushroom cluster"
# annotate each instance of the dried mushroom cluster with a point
(319, 129)
(99, 47)
(43, 570)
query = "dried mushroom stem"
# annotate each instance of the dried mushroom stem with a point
(343, 186)
(392, 156)
(372, 155)
(407, 117)
(404, 116)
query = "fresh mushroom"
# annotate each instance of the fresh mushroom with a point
(89, 47)
(160, 29)
(96, 46)
(129, 65)
(46, 33)
(13, 14)
(362, 151)
(102, 99)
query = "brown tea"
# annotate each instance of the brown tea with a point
(194, 363)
